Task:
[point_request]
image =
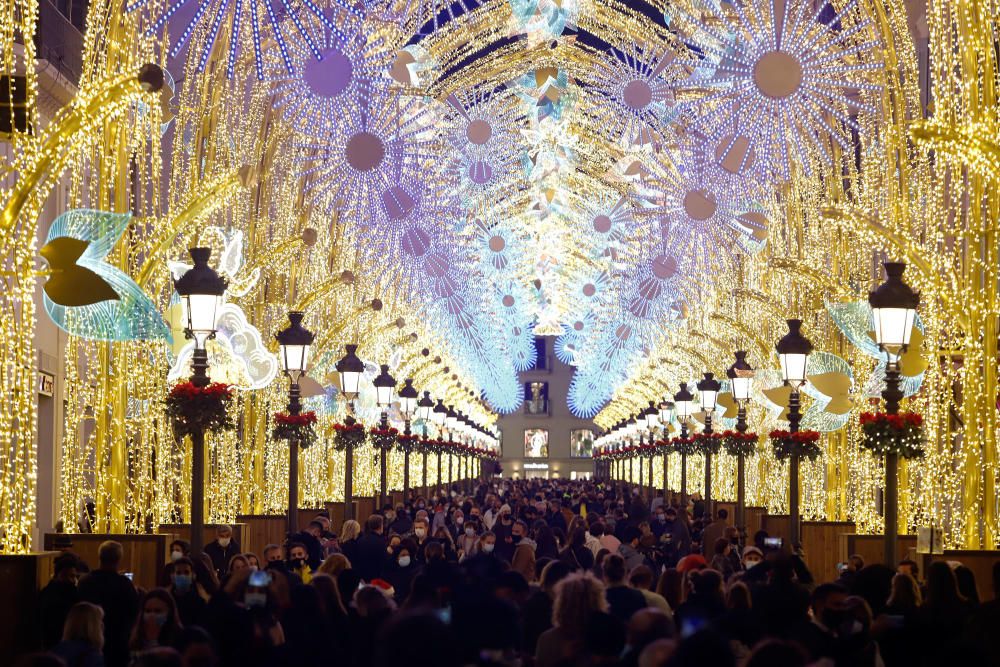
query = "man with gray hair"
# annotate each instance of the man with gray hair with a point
(222, 549)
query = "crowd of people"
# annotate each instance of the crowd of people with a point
(516, 572)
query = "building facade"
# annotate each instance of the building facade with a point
(543, 438)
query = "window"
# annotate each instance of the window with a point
(541, 360)
(581, 443)
(536, 443)
(536, 398)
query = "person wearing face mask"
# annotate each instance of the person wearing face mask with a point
(158, 623)
(222, 548)
(298, 562)
(659, 524)
(487, 544)
(189, 596)
(828, 614)
(503, 529)
(457, 524)
(178, 549)
(523, 560)
(468, 541)
(421, 537)
(752, 557)
(401, 568)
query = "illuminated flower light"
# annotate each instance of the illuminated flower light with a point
(511, 307)
(594, 384)
(485, 178)
(728, 162)
(317, 93)
(780, 80)
(450, 300)
(576, 330)
(631, 88)
(704, 216)
(481, 121)
(211, 13)
(497, 244)
(388, 141)
(605, 224)
(411, 223)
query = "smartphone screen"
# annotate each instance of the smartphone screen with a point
(129, 575)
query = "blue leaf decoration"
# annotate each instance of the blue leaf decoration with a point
(133, 316)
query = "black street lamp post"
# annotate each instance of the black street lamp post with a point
(385, 387)
(293, 352)
(793, 352)
(201, 290)
(350, 369)
(683, 401)
(740, 376)
(709, 389)
(894, 306)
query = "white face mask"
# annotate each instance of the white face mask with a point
(488, 547)
(404, 561)
(253, 568)
(459, 520)
(419, 532)
(471, 532)
(176, 555)
(750, 564)
(224, 542)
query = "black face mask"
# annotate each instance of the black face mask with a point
(515, 538)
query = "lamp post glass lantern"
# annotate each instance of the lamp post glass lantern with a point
(651, 416)
(293, 351)
(385, 388)
(408, 399)
(425, 406)
(894, 311)
(740, 376)
(683, 403)
(350, 369)
(201, 290)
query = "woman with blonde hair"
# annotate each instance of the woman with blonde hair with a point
(905, 597)
(578, 596)
(334, 565)
(349, 533)
(83, 636)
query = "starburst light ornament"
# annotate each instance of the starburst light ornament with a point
(789, 75)
(315, 94)
(359, 168)
(629, 90)
(264, 20)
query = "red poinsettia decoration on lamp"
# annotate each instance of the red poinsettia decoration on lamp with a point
(300, 428)
(194, 409)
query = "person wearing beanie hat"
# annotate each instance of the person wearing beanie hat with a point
(752, 556)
